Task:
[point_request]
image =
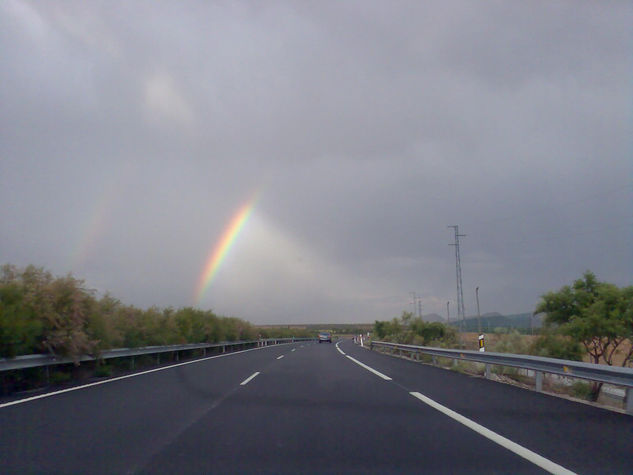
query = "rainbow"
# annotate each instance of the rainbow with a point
(222, 247)
(93, 230)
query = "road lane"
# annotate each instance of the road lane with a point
(314, 410)
(117, 427)
(317, 412)
(578, 436)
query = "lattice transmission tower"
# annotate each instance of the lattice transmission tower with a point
(461, 314)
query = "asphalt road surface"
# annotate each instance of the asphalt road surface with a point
(309, 408)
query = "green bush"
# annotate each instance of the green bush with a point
(103, 371)
(511, 342)
(410, 330)
(556, 346)
(60, 377)
(582, 390)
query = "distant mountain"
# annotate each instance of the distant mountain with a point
(432, 317)
(489, 314)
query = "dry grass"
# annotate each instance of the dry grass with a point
(472, 343)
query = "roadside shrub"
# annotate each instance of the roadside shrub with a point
(512, 342)
(40, 313)
(414, 330)
(103, 371)
(582, 390)
(60, 377)
(557, 346)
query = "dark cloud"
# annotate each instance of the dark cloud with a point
(130, 133)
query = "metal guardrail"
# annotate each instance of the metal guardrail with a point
(603, 373)
(34, 361)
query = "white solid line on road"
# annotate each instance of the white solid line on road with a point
(247, 380)
(339, 350)
(118, 378)
(498, 439)
(377, 373)
(294, 349)
(280, 357)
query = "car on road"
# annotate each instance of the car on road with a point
(325, 336)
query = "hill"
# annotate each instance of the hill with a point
(433, 317)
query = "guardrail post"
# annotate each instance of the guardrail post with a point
(628, 401)
(434, 359)
(487, 372)
(48, 375)
(538, 380)
(158, 358)
(132, 363)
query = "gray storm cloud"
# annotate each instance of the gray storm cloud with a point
(131, 133)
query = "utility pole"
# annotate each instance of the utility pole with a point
(461, 315)
(419, 307)
(448, 312)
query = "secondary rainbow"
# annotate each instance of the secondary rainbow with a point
(222, 247)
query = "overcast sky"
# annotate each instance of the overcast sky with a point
(132, 132)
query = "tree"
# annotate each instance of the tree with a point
(380, 329)
(20, 329)
(553, 345)
(66, 315)
(595, 314)
(626, 309)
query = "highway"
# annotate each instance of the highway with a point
(309, 408)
